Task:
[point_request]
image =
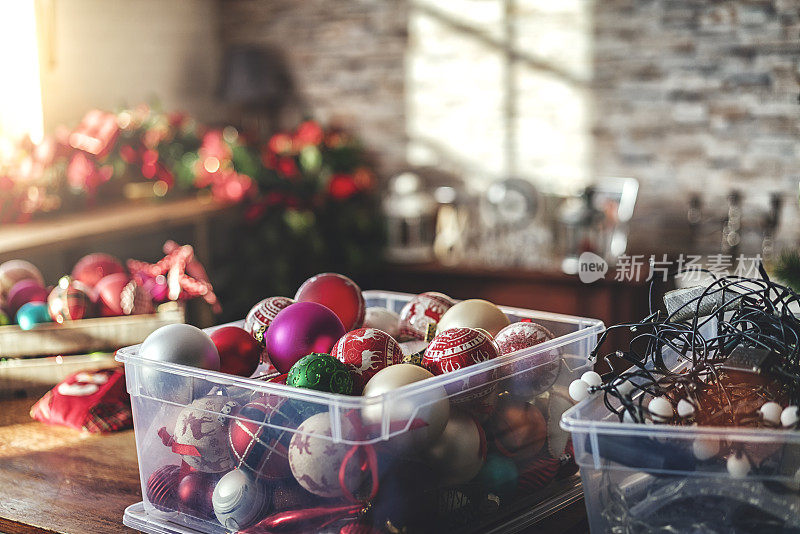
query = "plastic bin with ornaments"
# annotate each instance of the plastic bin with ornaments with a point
(347, 411)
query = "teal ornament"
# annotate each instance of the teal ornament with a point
(31, 314)
(498, 476)
(321, 372)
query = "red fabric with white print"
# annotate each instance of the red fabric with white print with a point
(95, 401)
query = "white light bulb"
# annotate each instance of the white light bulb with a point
(592, 378)
(661, 409)
(578, 390)
(685, 408)
(771, 412)
(790, 416)
(738, 466)
(623, 386)
(705, 448)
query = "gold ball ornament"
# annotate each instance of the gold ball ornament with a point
(458, 455)
(474, 313)
(427, 410)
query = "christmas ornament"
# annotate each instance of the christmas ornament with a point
(200, 434)
(473, 313)
(136, 300)
(456, 348)
(70, 300)
(300, 329)
(383, 319)
(498, 476)
(109, 293)
(365, 352)
(321, 372)
(406, 496)
(239, 500)
(358, 527)
(287, 494)
(257, 438)
(413, 347)
(458, 454)
(94, 267)
(316, 461)
(185, 276)
(532, 374)
(239, 352)
(31, 314)
(162, 488)
(517, 428)
(194, 494)
(427, 411)
(279, 379)
(538, 473)
(23, 292)
(421, 312)
(261, 315)
(176, 343)
(339, 294)
(14, 271)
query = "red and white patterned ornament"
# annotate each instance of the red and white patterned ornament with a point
(533, 374)
(337, 293)
(365, 352)
(457, 348)
(261, 315)
(423, 310)
(383, 319)
(316, 460)
(200, 434)
(255, 446)
(538, 473)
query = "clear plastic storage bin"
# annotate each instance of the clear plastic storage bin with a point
(641, 478)
(538, 376)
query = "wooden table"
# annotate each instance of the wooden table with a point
(57, 480)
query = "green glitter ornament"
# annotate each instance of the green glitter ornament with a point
(321, 372)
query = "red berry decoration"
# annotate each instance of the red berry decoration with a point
(423, 310)
(257, 447)
(239, 352)
(109, 294)
(339, 294)
(162, 487)
(365, 352)
(70, 300)
(261, 315)
(94, 267)
(457, 348)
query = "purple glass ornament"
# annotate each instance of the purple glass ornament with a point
(300, 329)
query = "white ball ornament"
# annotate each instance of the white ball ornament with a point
(458, 454)
(660, 409)
(592, 378)
(705, 448)
(578, 390)
(790, 416)
(738, 465)
(203, 426)
(771, 412)
(239, 500)
(685, 409)
(383, 319)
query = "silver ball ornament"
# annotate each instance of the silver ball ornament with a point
(430, 407)
(458, 454)
(239, 500)
(182, 344)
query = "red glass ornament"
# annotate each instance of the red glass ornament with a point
(534, 374)
(70, 301)
(366, 351)
(257, 447)
(423, 310)
(194, 494)
(339, 294)
(457, 348)
(162, 487)
(92, 268)
(239, 352)
(109, 294)
(538, 473)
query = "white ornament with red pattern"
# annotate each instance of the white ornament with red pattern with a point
(365, 352)
(261, 315)
(423, 310)
(457, 348)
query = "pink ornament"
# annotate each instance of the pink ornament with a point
(14, 271)
(339, 294)
(262, 314)
(109, 294)
(300, 329)
(94, 267)
(457, 348)
(23, 292)
(423, 310)
(366, 351)
(239, 353)
(532, 374)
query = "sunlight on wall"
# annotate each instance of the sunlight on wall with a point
(20, 90)
(500, 87)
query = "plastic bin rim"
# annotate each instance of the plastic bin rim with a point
(572, 422)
